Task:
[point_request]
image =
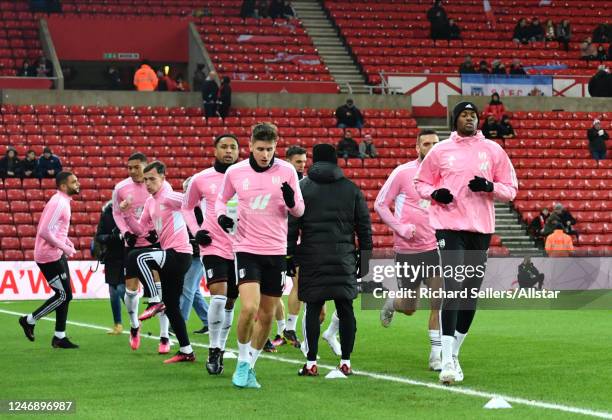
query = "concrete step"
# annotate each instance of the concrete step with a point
(327, 42)
(339, 61)
(352, 80)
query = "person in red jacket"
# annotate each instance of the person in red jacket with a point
(495, 108)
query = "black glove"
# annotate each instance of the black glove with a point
(288, 195)
(116, 235)
(130, 239)
(226, 223)
(152, 236)
(479, 184)
(442, 195)
(291, 268)
(203, 238)
(362, 266)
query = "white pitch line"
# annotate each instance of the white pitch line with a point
(391, 378)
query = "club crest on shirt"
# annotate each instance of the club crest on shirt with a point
(276, 180)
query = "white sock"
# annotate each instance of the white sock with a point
(280, 326)
(225, 329)
(216, 315)
(334, 325)
(448, 341)
(458, 342)
(164, 323)
(345, 362)
(60, 334)
(243, 352)
(436, 344)
(131, 304)
(158, 297)
(30, 320)
(310, 364)
(254, 355)
(187, 349)
(292, 322)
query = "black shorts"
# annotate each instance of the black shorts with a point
(428, 261)
(146, 285)
(221, 270)
(267, 270)
(57, 270)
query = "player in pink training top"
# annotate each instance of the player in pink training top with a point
(162, 212)
(215, 247)
(414, 241)
(267, 190)
(51, 248)
(133, 188)
(463, 175)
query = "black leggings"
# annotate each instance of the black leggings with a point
(172, 267)
(461, 250)
(57, 276)
(312, 330)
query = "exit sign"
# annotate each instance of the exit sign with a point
(121, 56)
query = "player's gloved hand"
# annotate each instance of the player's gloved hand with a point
(226, 223)
(291, 268)
(407, 231)
(443, 195)
(203, 238)
(152, 236)
(130, 239)
(116, 234)
(480, 184)
(288, 195)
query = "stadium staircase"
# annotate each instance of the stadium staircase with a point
(330, 47)
(512, 233)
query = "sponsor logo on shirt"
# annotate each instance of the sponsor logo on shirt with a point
(260, 202)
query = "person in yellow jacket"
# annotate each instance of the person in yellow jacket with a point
(145, 78)
(558, 243)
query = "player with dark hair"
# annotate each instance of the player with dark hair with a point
(267, 190)
(215, 247)
(51, 248)
(414, 240)
(463, 176)
(162, 212)
(133, 189)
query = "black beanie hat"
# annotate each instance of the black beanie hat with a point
(324, 153)
(459, 108)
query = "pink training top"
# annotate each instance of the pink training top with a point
(262, 212)
(452, 164)
(52, 233)
(138, 194)
(203, 190)
(410, 223)
(162, 212)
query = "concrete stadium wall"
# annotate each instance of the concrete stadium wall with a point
(539, 103)
(193, 99)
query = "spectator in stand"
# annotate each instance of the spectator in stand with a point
(559, 244)
(162, 85)
(44, 68)
(536, 227)
(529, 276)
(564, 33)
(288, 12)
(348, 147)
(454, 32)
(497, 67)
(551, 223)
(275, 10)
(349, 116)
(210, 93)
(367, 149)
(438, 20)
(517, 68)
(536, 32)
(565, 219)
(225, 97)
(522, 32)
(247, 10)
(145, 78)
(29, 166)
(601, 53)
(490, 128)
(27, 70)
(263, 9)
(597, 141)
(602, 33)
(505, 128)
(600, 85)
(199, 77)
(114, 78)
(49, 165)
(165, 79)
(549, 31)
(467, 66)
(483, 67)
(10, 166)
(181, 85)
(495, 107)
(588, 51)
